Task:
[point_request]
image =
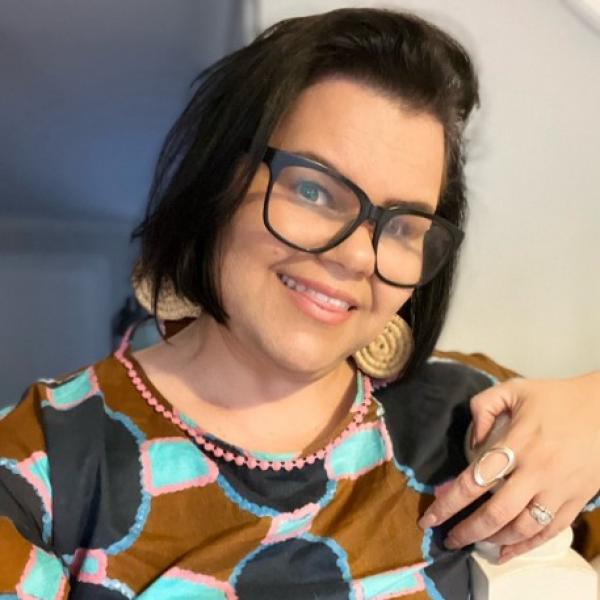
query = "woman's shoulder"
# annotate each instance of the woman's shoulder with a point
(23, 423)
(65, 394)
(61, 417)
(446, 379)
(63, 411)
(67, 442)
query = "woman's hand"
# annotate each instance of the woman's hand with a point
(554, 431)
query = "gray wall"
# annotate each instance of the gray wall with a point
(88, 91)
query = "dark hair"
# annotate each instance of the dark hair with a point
(201, 179)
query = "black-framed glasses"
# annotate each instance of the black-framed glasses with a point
(311, 207)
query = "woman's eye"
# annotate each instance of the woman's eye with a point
(405, 229)
(312, 191)
(399, 229)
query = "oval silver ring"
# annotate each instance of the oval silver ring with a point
(510, 464)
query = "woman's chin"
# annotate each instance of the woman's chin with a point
(307, 358)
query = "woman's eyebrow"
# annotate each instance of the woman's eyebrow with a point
(318, 158)
(414, 204)
(388, 203)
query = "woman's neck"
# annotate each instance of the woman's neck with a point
(243, 398)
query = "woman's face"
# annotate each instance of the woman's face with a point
(393, 154)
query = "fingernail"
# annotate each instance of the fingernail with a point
(427, 521)
(451, 543)
(473, 440)
(505, 557)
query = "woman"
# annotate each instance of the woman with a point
(305, 205)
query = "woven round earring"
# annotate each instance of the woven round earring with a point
(170, 306)
(388, 353)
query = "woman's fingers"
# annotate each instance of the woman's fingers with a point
(563, 519)
(487, 406)
(555, 443)
(453, 497)
(461, 492)
(499, 511)
(524, 526)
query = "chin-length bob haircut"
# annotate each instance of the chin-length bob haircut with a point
(217, 144)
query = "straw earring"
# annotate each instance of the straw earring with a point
(170, 306)
(388, 353)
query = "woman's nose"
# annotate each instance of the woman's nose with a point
(355, 254)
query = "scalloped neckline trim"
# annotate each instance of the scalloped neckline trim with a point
(212, 445)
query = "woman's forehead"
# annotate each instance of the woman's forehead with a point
(367, 136)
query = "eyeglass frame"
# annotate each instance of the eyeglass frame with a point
(277, 160)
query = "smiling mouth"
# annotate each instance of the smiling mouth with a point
(334, 304)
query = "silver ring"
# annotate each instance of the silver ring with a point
(542, 514)
(510, 464)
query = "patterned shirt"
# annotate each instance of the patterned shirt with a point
(108, 492)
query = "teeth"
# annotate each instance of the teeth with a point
(323, 298)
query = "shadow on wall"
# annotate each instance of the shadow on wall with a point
(62, 283)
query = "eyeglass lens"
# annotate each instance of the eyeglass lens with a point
(311, 209)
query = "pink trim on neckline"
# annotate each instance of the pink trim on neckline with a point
(211, 446)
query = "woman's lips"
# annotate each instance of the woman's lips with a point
(312, 298)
